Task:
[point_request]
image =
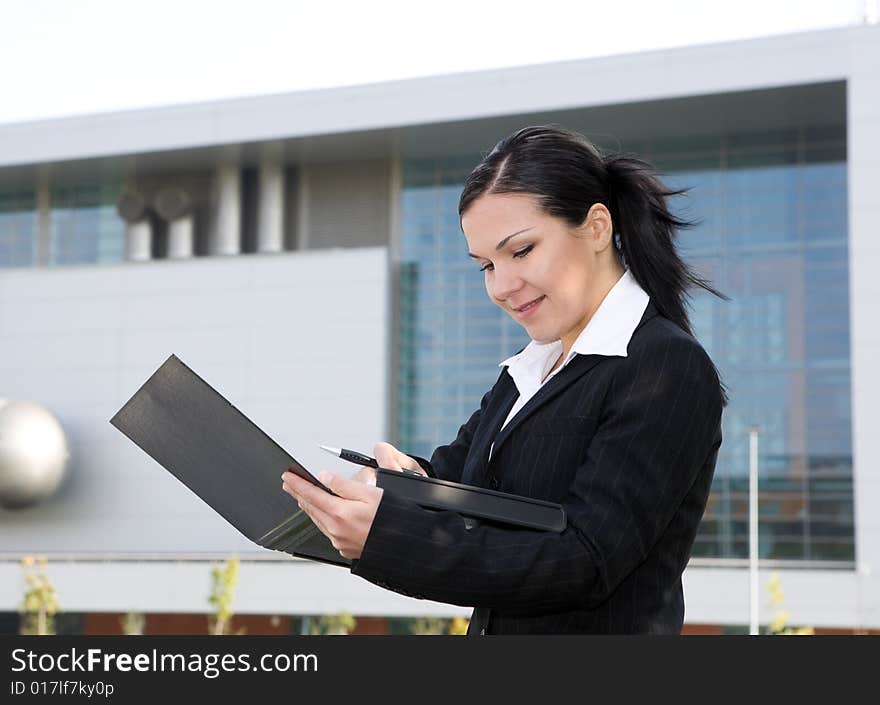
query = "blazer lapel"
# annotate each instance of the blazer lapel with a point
(578, 367)
(503, 398)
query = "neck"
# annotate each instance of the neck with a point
(604, 285)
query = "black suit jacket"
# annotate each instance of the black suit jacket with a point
(626, 444)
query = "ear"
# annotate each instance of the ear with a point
(598, 227)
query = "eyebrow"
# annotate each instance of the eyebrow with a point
(502, 243)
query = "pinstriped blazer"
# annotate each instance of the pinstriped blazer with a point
(626, 444)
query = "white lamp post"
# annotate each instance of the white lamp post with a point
(753, 530)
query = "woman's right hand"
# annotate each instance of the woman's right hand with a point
(388, 457)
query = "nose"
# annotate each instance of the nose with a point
(504, 284)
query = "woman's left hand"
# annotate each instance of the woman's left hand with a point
(346, 519)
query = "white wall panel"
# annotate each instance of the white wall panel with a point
(296, 341)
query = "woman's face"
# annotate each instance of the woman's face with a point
(548, 276)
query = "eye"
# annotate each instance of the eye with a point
(518, 254)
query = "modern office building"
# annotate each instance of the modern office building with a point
(302, 252)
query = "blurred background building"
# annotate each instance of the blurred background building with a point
(302, 252)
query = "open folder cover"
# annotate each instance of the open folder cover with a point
(192, 431)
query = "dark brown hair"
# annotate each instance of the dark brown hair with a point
(568, 174)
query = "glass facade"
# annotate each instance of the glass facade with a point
(18, 228)
(771, 234)
(451, 336)
(83, 226)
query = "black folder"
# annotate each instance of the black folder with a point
(198, 436)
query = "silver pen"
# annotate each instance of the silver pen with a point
(353, 456)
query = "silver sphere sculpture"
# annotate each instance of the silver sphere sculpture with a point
(33, 453)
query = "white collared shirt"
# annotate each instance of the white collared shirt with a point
(608, 333)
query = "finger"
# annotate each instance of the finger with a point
(387, 456)
(350, 489)
(392, 459)
(317, 516)
(324, 522)
(366, 475)
(317, 519)
(302, 490)
(299, 486)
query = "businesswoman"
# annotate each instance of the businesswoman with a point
(612, 410)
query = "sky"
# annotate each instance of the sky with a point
(73, 57)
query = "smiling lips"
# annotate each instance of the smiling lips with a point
(528, 308)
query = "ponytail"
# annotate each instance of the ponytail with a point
(645, 232)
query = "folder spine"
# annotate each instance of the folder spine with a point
(475, 502)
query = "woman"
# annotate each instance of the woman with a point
(612, 410)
